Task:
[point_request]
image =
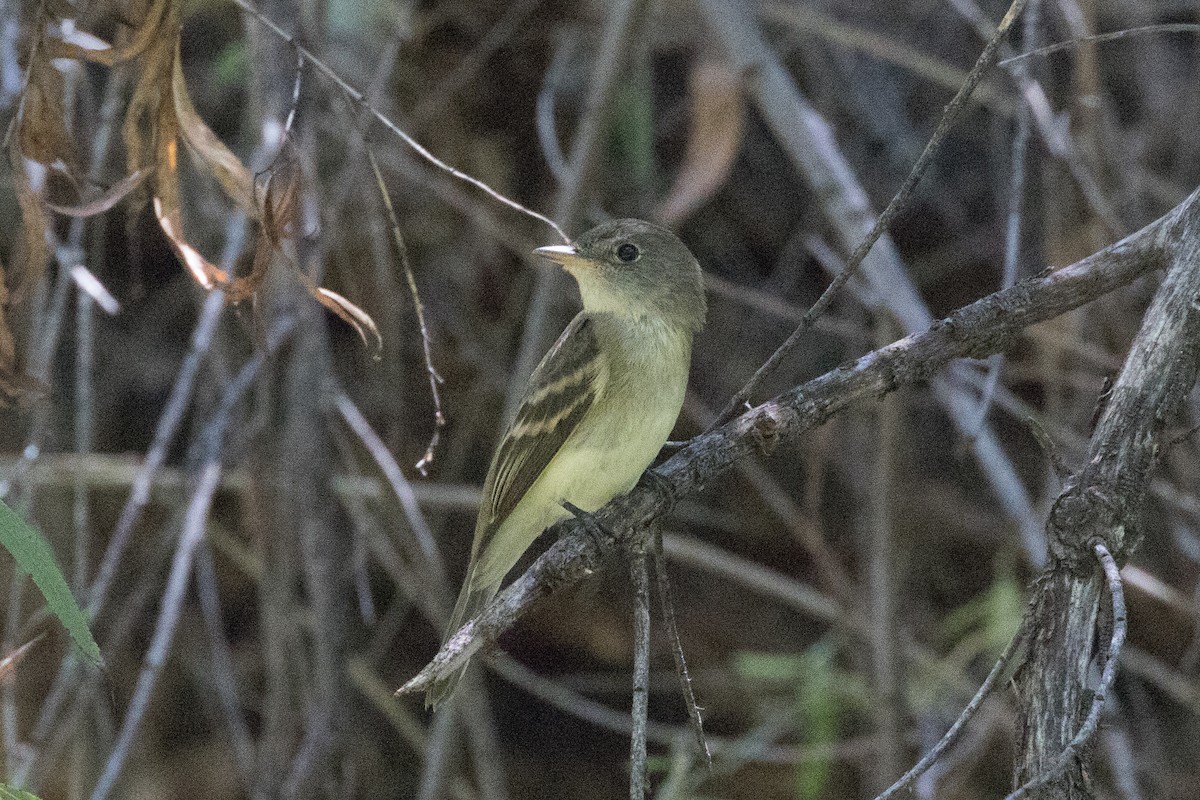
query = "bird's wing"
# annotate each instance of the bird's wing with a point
(560, 392)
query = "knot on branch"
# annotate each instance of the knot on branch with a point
(766, 431)
(1082, 516)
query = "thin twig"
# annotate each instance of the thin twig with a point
(439, 420)
(436, 753)
(164, 434)
(882, 222)
(85, 424)
(883, 555)
(547, 131)
(681, 668)
(1000, 668)
(164, 631)
(294, 105)
(479, 725)
(359, 99)
(1016, 204)
(1100, 38)
(194, 526)
(222, 671)
(400, 486)
(1054, 133)
(809, 141)
(43, 351)
(639, 571)
(1116, 594)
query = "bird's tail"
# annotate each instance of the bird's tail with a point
(471, 601)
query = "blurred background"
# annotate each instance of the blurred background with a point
(230, 479)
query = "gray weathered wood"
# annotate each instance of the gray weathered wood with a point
(1102, 502)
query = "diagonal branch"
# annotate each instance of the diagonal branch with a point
(987, 326)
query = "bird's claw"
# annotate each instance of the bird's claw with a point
(661, 486)
(599, 536)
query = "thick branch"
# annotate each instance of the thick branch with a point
(1102, 504)
(987, 326)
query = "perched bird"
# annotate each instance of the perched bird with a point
(599, 406)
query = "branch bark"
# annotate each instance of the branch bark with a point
(987, 326)
(1101, 504)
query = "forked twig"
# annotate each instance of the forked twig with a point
(681, 667)
(1100, 38)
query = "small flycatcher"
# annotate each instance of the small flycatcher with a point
(599, 406)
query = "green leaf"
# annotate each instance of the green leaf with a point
(34, 556)
(9, 793)
(772, 668)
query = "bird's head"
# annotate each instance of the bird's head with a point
(632, 268)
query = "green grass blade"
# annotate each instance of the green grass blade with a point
(34, 556)
(9, 793)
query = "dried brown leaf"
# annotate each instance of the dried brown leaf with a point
(206, 273)
(139, 129)
(106, 199)
(14, 383)
(167, 206)
(35, 224)
(210, 151)
(42, 133)
(718, 121)
(353, 315)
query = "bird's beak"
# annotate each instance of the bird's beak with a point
(564, 255)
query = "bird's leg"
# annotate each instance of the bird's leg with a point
(661, 486)
(600, 535)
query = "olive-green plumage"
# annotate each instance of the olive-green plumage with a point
(599, 406)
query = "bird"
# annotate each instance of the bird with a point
(599, 406)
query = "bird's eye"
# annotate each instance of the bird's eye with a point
(628, 253)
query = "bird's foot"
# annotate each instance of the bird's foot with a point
(661, 486)
(600, 535)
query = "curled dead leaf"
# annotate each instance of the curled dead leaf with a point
(34, 252)
(106, 199)
(42, 133)
(281, 199)
(354, 316)
(141, 128)
(233, 176)
(167, 207)
(206, 273)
